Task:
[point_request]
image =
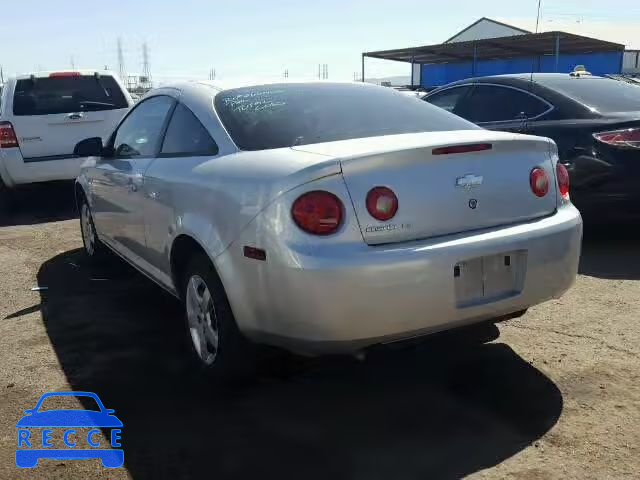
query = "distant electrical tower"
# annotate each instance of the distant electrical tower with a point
(212, 74)
(145, 78)
(323, 71)
(121, 70)
(285, 74)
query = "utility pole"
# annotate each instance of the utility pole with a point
(286, 73)
(73, 65)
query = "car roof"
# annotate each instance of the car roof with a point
(222, 85)
(69, 393)
(47, 73)
(515, 78)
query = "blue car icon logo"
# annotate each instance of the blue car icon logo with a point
(32, 447)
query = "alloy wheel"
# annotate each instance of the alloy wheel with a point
(201, 319)
(88, 232)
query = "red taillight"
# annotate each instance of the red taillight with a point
(474, 147)
(8, 137)
(382, 203)
(628, 138)
(539, 181)
(317, 212)
(64, 74)
(563, 180)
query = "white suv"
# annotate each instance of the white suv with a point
(42, 117)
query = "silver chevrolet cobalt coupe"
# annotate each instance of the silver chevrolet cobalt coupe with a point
(326, 217)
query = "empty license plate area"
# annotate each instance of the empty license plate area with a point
(489, 279)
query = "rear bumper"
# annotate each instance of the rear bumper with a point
(603, 207)
(14, 170)
(358, 295)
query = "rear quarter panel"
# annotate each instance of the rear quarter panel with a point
(590, 164)
(213, 199)
(249, 283)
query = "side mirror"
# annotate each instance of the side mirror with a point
(89, 147)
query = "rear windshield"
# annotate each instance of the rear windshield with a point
(45, 96)
(601, 94)
(284, 115)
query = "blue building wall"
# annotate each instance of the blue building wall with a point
(601, 63)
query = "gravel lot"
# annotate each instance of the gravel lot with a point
(557, 395)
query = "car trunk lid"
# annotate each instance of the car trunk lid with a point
(443, 192)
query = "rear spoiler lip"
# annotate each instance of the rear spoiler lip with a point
(372, 146)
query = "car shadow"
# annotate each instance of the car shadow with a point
(40, 203)
(611, 252)
(434, 410)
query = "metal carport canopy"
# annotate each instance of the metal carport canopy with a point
(534, 44)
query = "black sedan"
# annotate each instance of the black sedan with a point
(594, 120)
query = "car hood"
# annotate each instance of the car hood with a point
(69, 418)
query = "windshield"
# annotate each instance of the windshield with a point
(284, 115)
(45, 96)
(601, 94)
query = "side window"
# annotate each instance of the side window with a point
(139, 133)
(449, 98)
(495, 104)
(186, 136)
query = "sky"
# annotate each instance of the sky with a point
(261, 39)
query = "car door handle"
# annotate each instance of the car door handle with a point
(75, 116)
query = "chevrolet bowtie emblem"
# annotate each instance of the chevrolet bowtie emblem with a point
(469, 181)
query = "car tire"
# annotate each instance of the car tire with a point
(6, 201)
(217, 348)
(93, 247)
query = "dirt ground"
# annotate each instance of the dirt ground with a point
(557, 395)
